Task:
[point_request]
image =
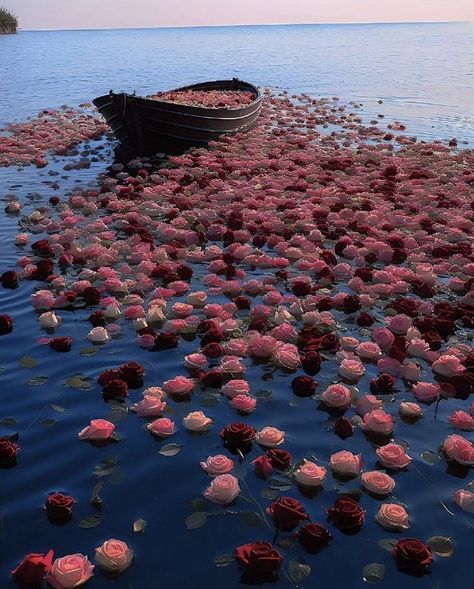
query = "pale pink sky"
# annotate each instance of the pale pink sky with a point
(70, 14)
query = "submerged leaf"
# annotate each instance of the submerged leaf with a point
(196, 520)
(49, 422)
(37, 381)
(27, 362)
(89, 351)
(270, 494)
(96, 501)
(388, 544)
(78, 381)
(198, 505)
(58, 408)
(170, 450)
(431, 457)
(441, 546)
(252, 518)
(224, 560)
(8, 421)
(373, 572)
(139, 525)
(91, 522)
(298, 569)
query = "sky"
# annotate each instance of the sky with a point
(85, 14)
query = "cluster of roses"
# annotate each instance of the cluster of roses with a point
(52, 131)
(207, 99)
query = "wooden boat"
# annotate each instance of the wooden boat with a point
(147, 125)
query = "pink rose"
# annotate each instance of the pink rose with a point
(70, 571)
(197, 298)
(99, 429)
(162, 427)
(287, 356)
(410, 410)
(195, 361)
(345, 463)
(351, 369)
(149, 406)
(392, 516)
(349, 343)
(447, 366)
(411, 371)
(180, 386)
(418, 347)
(262, 346)
(399, 324)
(271, 437)
(459, 449)
(368, 403)
(393, 456)
(236, 387)
(384, 337)
(462, 420)
(336, 395)
(378, 421)
(196, 421)
(243, 403)
(232, 365)
(377, 482)
(368, 350)
(310, 474)
(223, 489)
(426, 392)
(154, 392)
(217, 465)
(181, 310)
(236, 347)
(114, 556)
(465, 500)
(390, 366)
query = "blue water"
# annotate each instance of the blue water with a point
(424, 73)
(425, 76)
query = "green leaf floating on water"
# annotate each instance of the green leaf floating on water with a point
(58, 408)
(37, 381)
(252, 518)
(50, 422)
(224, 560)
(298, 569)
(91, 522)
(441, 546)
(139, 525)
(388, 544)
(27, 362)
(89, 351)
(196, 520)
(78, 381)
(8, 421)
(373, 572)
(170, 450)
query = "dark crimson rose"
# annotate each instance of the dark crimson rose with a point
(107, 376)
(260, 561)
(236, 435)
(329, 257)
(325, 304)
(313, 537)
(132, 373)
(91, 295)
(43, 248)
(97, 318)
(6, 324)
(303, 386)
(60, 344)
(351, 304)
(343, 427)
(8, 452)
(263, 467)
(301, 287)
(406, 306)
(424, 290)
(311, 362)
(347, 514)
(59, 507)
(287, 513)
(258, 324)
(433, 339)
(280, 459)
(32, 569)
(382, 385)
(213, 350)
(212, 378)
(370, 258)
(165, 340)
(9, 279)
(329, 342)
(364, 320)
(115, 389)
(399, 255)
(212, 335)
(364, 274)
(44, 270)
(445, 327)
(412, 555)
(184, 272)
(54, 200)
(243, 303)
(204, 326)
(259, 241)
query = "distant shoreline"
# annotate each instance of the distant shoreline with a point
(343, 24)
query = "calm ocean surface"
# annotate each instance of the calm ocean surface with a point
(424, 73)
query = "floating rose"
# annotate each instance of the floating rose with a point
(8, 453)
(149, 406)
(237, 435)
(243, 404)
(224, 488)
(378, 422)
(465, 500)
(217, 465)
(162, 427)
(287, 513)
(410, 410)
(393, 456)
(313, 537)
(260, 561)
(377, 482)
(179, 387)
(337, 396)
(270, 437)
(347, 515)
(392, 516)
(32, 569)
(459, 450)
(310, 474)
(345, 463)
(412, 555)
(98, 430)
(70, 571)
(59, 507)
(196, 421)
(6, 324)
(113, 556)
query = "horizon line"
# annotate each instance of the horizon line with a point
(405, 22)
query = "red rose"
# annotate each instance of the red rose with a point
(301, 287)
(213, 334)
(60, 344)
(412, 555)
(6, 324)
(383, 384)
(364, 320)
(8, 452)
(243, 303)
(165, 341)
(32, 570)
(91, 295)
(287, 513)
(237, 435)
(212, 378)
(329, 342)
(303, 386)
(59, 508)
(107, 376)
(311, 362)
(280, 459)
(260, 561)
(9, 279)
(343, 427)
(364, 274)
(347, 515)
(406, 306)
(115, 389)
(213, 350)
(351, 304)
(263, 467)
(97, 318)
(433, 339)
(313, 537)
(44, 269)
(132, 373)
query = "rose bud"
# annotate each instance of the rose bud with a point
(114, 556)
(260, 561)
(6, 324)
(280, 459)
(287, 513)
(263, 467)
(343, 428)
(9, 279)
(60, 344)
(32, 569)
(70, 571)
(412, 555)
(8, 453)
(98, 430)
(59, 508)
(313, 537)
(347, 515)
